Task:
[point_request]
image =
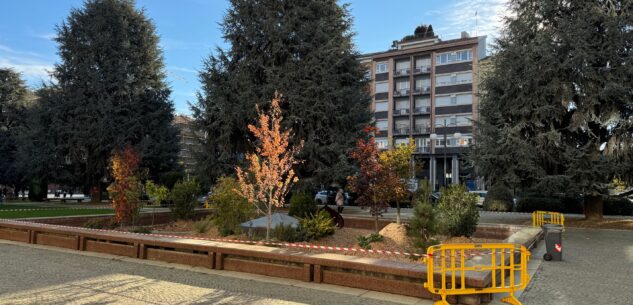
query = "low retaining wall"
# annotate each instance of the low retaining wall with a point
(144, 219)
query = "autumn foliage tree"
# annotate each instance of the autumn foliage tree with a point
(374, 182)
(269, 174)
(397, 165)
(126, 187)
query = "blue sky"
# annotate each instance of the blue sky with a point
(190, 31)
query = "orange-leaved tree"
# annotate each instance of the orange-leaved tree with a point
(269, 174)
(397, 161)
(373, 181)
(125, 189)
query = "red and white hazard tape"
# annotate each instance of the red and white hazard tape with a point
(289, 245)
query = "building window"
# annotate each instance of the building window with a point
(381, 124)
(382, 67)
(454, 57)
(367, 75)
(402, 85)
(453, 79)
(452, 100)
(454, 120)
(382, 87)
(382, 106)
(400, 142)
(382, 143)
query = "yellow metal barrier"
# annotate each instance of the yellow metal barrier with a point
(540, 218)
(448, 267)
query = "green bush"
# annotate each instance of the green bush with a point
(302, 205)
(316, 226)
(365, 241)
(286, 233)
(618, 206)
(231, 208)
(203, 225)
(184, 195)
(498, 198)
(457, 211)
(423, 224)
(572, 205)
(531, 204)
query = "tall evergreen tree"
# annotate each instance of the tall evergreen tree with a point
(556, 108)
(13, 95)
(304, 50)
(113, 91)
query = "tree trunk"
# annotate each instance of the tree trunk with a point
(376, 223)
(593, 207)
(398, 212)
(270, 216)
(95, 194)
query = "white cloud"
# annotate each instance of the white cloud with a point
(34, 67)
(461, 16)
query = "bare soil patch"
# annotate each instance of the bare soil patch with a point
(621, 224)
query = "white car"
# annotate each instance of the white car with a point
(481, 196)
(321, 197)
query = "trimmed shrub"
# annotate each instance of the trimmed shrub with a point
(618, 206)
(316, 226)
(286, 233)
(94, 223)
(231, 208)
(203, 225)
(302, 205)
(498, 198)
(531, 204)
(184, 195)
(572, 205)
(457, 211)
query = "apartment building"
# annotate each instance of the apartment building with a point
(425, 89)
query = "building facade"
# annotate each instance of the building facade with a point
(425, 89)
(188, 142)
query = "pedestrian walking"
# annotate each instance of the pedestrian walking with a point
(340, 200)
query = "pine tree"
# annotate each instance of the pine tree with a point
(304, 50)
(556, 107)
(113, 91)
(13, 95)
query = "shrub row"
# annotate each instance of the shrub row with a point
(612, 205)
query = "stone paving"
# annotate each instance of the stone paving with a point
(597, 268)
(30, 275)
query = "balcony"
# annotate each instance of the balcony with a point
(453, 83)
(402, 72)
(401, 112)
(422, 110)
(422, 70)
(422, 149)
(401, 131)
(420, 129)
(422, 90)
(402, 92)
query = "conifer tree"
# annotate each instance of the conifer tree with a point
(113, 91)
(303, 49)
(12, 107)
(556, 107)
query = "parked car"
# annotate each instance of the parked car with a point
(329, 197)
(203, 199)
(481, 196)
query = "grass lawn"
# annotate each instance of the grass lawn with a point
(54, 212)
(9, 206)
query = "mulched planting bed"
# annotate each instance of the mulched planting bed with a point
(394, 239)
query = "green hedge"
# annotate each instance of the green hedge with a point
(618, 206)
(574, 205)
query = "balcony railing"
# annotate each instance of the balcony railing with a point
(400, 131)
(422, 110)
(401, 92)
(401, 112)
(422, 90)
(422, 69)
(423, 149)
(451, 83)
(402, 72)
(422, 129)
